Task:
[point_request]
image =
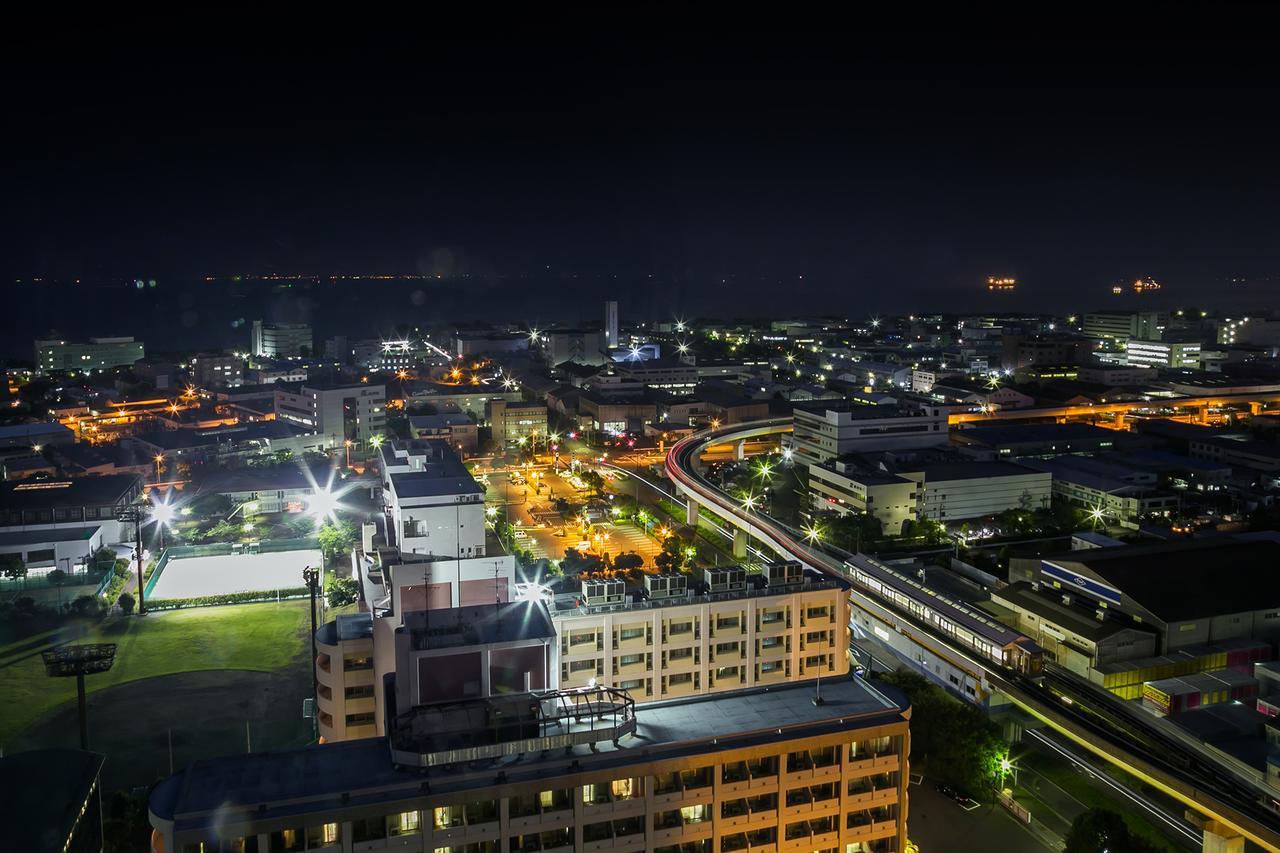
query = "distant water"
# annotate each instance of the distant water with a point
(178, 315)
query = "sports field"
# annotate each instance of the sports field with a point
(192, 577)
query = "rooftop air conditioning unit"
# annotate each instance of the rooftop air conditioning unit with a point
(726, 579)
(786, 573)
(666, 585)
(596, 592)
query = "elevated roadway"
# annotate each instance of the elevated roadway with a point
(1229, 800)
(1208, 401)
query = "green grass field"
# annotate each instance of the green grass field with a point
(262, 637)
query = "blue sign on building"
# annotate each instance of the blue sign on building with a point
(1070, 579)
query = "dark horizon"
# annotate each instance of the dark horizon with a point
(795, 174)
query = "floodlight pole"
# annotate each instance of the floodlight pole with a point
(137, 547)
(84, 712)
(311, 577)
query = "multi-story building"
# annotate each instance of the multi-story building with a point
(512, 422)
(346, 411)
(889, 498)
(667, 640)
(1117, 327)
(55, 356)
(826, 431)
(1174, 354)
(578, 345)
(615, 414)
(431, 503)
(675, 642)
(280, 340)
(531, 771)
(210, 370)
(1018, 350)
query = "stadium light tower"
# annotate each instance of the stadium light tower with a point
(136, 514)
(80, 660)
(311, 577)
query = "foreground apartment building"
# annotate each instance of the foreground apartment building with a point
(570, 771)
(666, 639)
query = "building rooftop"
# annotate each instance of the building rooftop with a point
(40, 431)
(860, 411)
(186, 439)
(286, 477)
(426, 467)
(81, 491)
(947, 471)
(359, 773)
(439, 421)
(42, 792)
(1188, 579)
(56, 534)
(1026, 433)
(1022, 595)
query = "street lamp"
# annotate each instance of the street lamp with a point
(348, 442)
(159, 460)
(813, 533)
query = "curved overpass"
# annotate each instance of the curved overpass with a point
(1153, 756)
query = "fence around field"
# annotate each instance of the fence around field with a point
(41, 581)
(224, 549)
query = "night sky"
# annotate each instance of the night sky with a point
(893, 172)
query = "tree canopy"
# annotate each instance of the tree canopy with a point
(957, 742)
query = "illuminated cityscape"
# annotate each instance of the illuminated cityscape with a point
(508, 449)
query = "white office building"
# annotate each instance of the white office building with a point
(432, 503)
(280, 340)
(1175, 354)
(345, 412)
(826, 431)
